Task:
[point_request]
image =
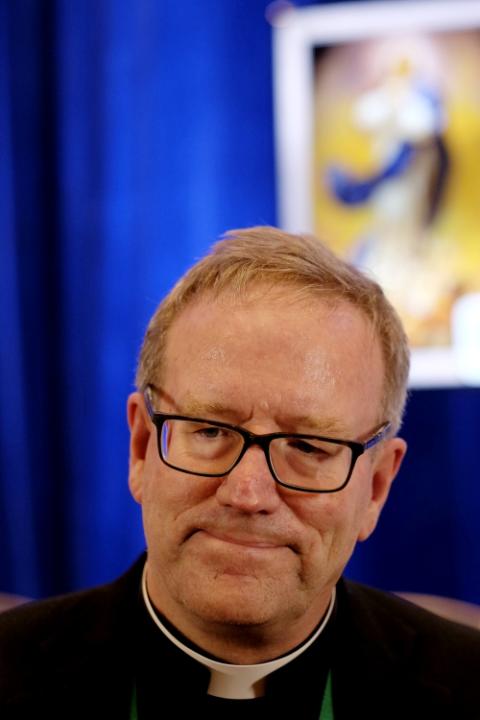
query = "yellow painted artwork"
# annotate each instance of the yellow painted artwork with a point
(396, 177)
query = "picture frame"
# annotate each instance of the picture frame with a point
(402, 205)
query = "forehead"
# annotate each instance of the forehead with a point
(273, 351)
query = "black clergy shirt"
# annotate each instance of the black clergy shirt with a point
(166, 674)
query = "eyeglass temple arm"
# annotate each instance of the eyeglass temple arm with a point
(148, 402)
(379, 435)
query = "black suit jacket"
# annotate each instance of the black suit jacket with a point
(76, 656)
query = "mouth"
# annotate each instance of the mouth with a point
(248, 541)
(255, 545)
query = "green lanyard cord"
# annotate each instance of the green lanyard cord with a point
(133, 705)
(326, 711)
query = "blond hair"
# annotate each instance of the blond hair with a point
(258, 255)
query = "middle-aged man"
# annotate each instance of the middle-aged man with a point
(271, 386)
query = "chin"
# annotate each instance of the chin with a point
(238, 601)
(228, 615)
(232, 617)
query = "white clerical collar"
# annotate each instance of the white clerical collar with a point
(236, 682)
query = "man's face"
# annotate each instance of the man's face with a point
(241, 550)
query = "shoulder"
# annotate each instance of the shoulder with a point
(66, 639)
(417, 657)
(393, 615)
(71, 613)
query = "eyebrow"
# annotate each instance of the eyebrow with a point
(201, 409)
(191, 406)
(328, 426)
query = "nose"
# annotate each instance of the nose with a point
(250, 487)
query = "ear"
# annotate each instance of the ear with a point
(385, 467)
(139, 425)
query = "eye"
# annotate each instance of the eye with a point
(305, 447)
(197, 431)
(313, 448)
(210, 432)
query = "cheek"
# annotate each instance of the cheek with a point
(158, 495)
(334, 520)
(322, 513)
(168, 496)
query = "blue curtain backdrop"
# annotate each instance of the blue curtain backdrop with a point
(132, 134)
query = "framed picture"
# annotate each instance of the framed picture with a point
(377, 113)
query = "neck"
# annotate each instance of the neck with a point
(240, 643)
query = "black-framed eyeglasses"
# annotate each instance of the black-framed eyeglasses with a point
(308, 463)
